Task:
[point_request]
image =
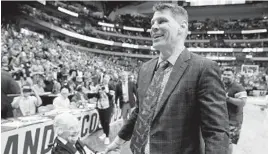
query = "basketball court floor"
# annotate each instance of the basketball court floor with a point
(253, 139)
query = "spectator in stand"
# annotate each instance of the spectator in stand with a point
(8, 86)
(49, 82)
(62, 101)
(72, 80)
(39, 86)
(56, 87)
(79, 97)
(61, 76)
(37, 67)
(4, 63)
(25, 104)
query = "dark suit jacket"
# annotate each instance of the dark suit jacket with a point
(59, 148)
(132, 90)
(193, 100)
(8, 86)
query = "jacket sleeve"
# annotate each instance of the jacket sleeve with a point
(213, 110)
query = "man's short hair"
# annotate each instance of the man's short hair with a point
(174, 8)
(65, 121)
(124, 73)
(228, 70)
(65, 87)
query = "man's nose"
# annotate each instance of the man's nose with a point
(154, 28)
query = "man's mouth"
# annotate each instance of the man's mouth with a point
(157, 36)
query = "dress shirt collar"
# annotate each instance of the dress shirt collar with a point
(172, 58)
(62, 140)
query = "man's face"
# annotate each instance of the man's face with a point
(124, 77)
(38, 62)
(74, 74)
(14, 52)
(65, 93)
(164, 29)
(49, 76)
(227, 77)
(106, 79)
(26, 94)
(131, 78)
(71, 135)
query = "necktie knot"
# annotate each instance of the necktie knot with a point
(163, 65)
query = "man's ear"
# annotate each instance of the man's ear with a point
(184, 24)
(59, 131)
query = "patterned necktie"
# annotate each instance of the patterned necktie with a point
(148, 108)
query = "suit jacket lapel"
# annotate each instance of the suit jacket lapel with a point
(68, 147)
(174, 78)
(147, 75)
(120, 90)
(129, 89)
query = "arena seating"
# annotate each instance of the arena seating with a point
(129, 45)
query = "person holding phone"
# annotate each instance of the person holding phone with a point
(26, 104)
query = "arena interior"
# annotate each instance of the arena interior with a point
(44, 42)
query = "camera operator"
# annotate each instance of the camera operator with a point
(26, 104)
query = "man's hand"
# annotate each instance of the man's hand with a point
(115, 145)
(112, 147)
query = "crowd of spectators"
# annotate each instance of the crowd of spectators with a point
(36, 60)
(45, 63)
(194, 25)
(137, 38)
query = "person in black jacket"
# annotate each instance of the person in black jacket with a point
(126, 94)
(67, 141)
(8, 86)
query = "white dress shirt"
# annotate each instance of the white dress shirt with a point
(61, 103)
(125, 91)
(27, 105)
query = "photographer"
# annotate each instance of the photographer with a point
(26, 104)
(104, 106)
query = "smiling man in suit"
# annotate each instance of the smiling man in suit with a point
(180, 94)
